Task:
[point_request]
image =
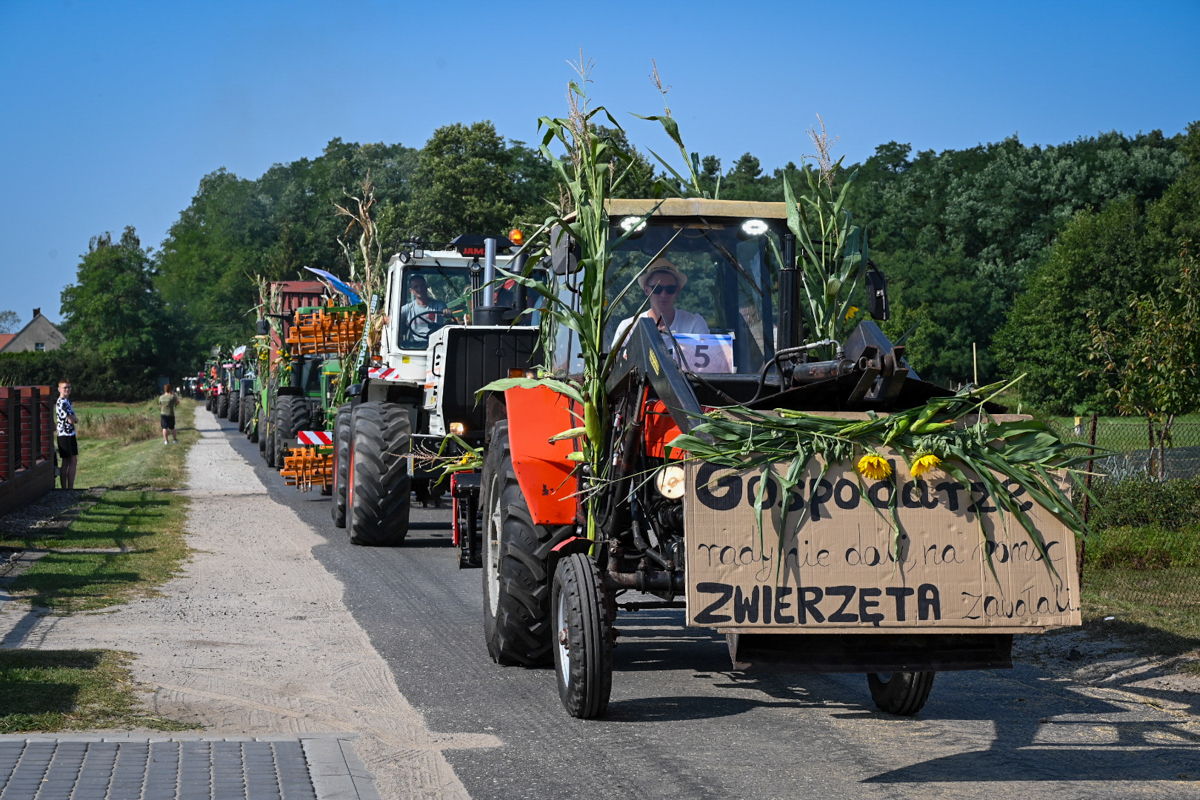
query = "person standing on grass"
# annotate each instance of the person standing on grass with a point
(68, 445)
(166, 405)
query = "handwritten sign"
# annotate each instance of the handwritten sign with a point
(838, 570)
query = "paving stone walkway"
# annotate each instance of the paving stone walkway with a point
(140, 767)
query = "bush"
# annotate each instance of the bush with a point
(1144, 548)
(1139, 502)
(91, 379)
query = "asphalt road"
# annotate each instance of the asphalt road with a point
(681, 725)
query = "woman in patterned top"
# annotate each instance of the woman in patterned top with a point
(68, 445)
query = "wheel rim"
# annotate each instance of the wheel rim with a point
(561, 639)
(492, 542)
(884, 677)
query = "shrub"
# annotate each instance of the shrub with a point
(1138, 502)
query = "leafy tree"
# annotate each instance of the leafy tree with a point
(1095, 266)
(461, 184)
(1149, 355)
(9, 321)
(116, 318)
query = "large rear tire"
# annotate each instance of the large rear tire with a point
(235, 407)
(269, 439)
(260, 433)
(342, 442)
(222, 405)
(291, 417)
(378, 483)
(516, 565)
(583, 651)
(900, 693)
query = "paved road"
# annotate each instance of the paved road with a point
(680, 725)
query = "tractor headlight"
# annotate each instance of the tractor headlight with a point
(669, 481)
(754, 227)
(458, 428)
(635, 224)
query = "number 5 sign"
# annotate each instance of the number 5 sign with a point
(706, 352)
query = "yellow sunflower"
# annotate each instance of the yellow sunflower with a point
(926, 463)
(874, 467)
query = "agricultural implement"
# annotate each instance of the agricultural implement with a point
(897, 577)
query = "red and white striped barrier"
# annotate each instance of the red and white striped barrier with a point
(383, 374)
(319, 438)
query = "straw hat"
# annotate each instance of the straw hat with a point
(662, 265)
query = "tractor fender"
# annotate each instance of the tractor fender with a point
(572, 544)
(544, 472)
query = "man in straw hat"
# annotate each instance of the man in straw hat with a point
(662, 282)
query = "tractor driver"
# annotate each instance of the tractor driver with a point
(662, 282)
(421, 315)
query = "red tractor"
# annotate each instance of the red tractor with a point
(669, 534)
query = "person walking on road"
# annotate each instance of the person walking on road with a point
(166, 406)
(68, 445)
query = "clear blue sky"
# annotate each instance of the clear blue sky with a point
(111, 112)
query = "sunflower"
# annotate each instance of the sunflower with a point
(925, 463)
(874, 467)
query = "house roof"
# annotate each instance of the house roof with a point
(5, 338)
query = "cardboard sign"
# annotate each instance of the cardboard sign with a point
(839, 573)
(705, 352)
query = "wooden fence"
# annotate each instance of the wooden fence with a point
(26, 445)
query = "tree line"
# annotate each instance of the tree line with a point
(999, 250)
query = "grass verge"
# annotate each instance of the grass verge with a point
(139, 530)
(143, 534)
(58, 690)
(114, 449)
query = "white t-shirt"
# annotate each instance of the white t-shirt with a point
(422, 327)
(684, 322)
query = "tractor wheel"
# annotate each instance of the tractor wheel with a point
(900, 693)
(342, 441)
(222, 406)
(235, 407)
(291, 417)
(583, 623)
(516, 564)
(208, 402)
(269, 438)
(378, 484)
(260, 433)
(247, 416)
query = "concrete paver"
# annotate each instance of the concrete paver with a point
(141, 767)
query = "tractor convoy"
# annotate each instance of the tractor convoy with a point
(372, 413)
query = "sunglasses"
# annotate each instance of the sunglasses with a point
(668, 289)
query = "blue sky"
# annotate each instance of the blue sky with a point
(111, 112)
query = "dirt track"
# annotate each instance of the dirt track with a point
(254, 636)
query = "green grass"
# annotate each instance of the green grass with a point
(57, 690)
(118, 460)
(1128, 433)
(148, 524)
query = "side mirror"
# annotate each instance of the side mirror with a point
(877, 297)
(262, 327)
(564, 252)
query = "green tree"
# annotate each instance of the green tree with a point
(9, 321)
(1149, 356)
(461, 184)
(116, 319)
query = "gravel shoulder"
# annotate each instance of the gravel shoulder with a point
(255, 637)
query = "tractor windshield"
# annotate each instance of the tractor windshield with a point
(435, 296)
(725, 282)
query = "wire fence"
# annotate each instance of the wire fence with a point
(1143, 557)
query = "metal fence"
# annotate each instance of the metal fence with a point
(1143, 557)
